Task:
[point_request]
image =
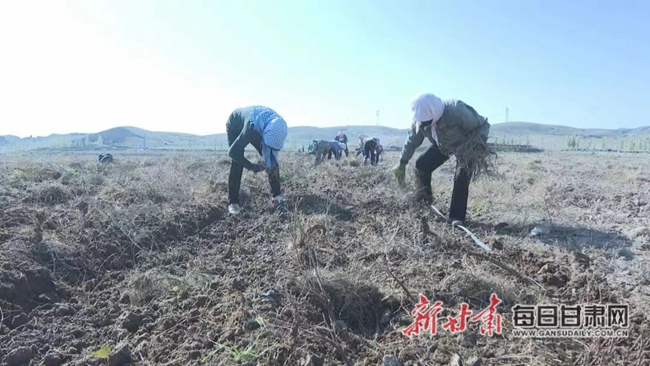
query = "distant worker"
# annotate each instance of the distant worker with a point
(267, 131)
(379, 149)
(105, 158)
(344, 148)
(368, 147)
(336, 149)
(323, 148)
(320, 149)
(454, 128)
(341, 137)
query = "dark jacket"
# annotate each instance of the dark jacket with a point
(241, 132)
(457, 121)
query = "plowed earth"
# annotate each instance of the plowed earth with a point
(137, 262)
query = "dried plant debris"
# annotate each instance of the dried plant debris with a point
(138, 261)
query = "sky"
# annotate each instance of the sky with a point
(183, 66)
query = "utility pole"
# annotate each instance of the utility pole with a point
(377, 118)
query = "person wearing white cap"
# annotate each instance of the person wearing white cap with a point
(448, 125)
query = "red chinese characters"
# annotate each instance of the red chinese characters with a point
(426, 318)
(458, 323)
(491, 320)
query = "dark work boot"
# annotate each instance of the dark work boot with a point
(423, 187)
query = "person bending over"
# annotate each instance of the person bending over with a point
(341, 137)
(454, 128)
(336, 150)
(378, 151)
(320, 148)
(368, 147)
(267, 131)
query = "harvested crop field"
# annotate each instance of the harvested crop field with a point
(137, 262)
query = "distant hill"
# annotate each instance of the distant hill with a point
(8, 139)
(128, 137)
(527, 128)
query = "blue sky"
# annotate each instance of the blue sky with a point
(183, 66)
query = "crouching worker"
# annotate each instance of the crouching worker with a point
(378, 151)
(344, 148)
(263, 128)
(454, 128)
(342, 138)
(320, 148)
(335, 149)
(368, 146)
(105, 158)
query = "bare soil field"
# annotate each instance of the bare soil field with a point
(137, 262)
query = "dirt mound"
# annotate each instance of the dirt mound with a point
(351, 303)
(22, 282)
(50, 195)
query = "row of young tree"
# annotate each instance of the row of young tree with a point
(56, 143)
(505, 140)
(78, 143)
(628, 144)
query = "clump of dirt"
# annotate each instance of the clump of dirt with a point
(51, 194)
(315, 205)
(22, 281)
(61, 259)
(468, 285)
(156, 285)
(359, 304)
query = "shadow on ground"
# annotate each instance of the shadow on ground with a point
(566, 237)
(315, 205)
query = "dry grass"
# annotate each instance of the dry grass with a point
(332, 274)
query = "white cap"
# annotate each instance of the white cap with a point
(427, 107)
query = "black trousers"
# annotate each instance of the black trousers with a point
(369, 149)
(346, 147)
(332, 152)
(377, 154)
(234, 128)
(426, 164)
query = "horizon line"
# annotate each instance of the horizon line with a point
(342, 127)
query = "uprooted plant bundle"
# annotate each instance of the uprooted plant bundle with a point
(475, 156)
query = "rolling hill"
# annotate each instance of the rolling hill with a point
(128, 137)
(527, 128)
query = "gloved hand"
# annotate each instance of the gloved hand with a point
(400, 173)
(258, 168)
